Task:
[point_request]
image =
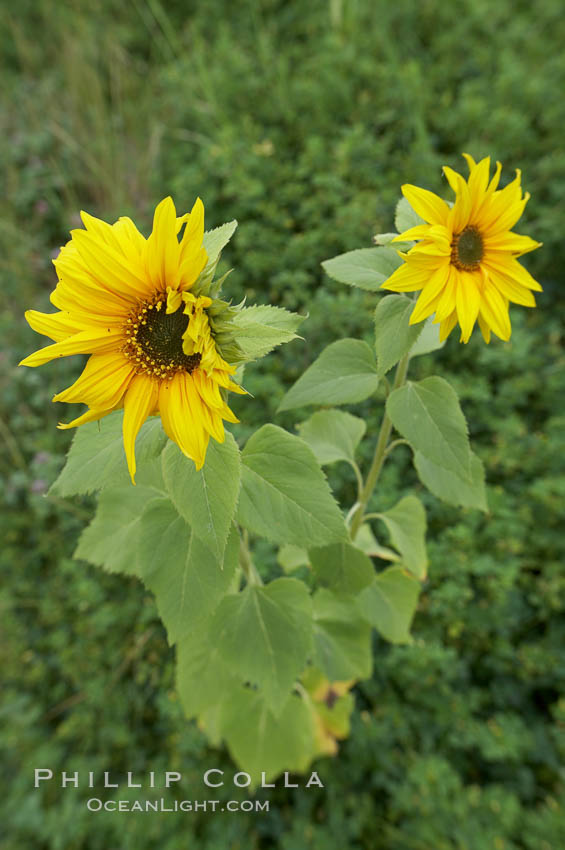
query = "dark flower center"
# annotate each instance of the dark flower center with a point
(467, 249)
(154, 340)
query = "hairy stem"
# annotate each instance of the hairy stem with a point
(246, 561)
(380, 453)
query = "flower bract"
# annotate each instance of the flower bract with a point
(465, 260)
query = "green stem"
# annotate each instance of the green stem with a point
(394, 444)
(380, 453)
(246, 561)
(358, 476)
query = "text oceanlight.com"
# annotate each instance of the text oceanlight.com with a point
(96, 805)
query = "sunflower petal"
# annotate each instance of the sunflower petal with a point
(512, 243)
(57, 326)
(447, 326)
(85, 342)
(105, 263)
(420, 231)
(181, 421)
(485, 330)
(406, 279)
(193, 235)
(429, 297)
(446, 303)
(494, 310)
(512, 269)
(460, 212)
(512, 290)
(139, 401)
(478, 182)
(426, 204)
(91, 415)
(102, 383)
(468, 300)
(163, 249)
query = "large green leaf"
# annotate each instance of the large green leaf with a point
(203, 678)
(406, 523)
(428, 415)
(394, 336)
(111, 540)
(262, 328)
(342, 567)
(264, 742)
(333, 435)
(96, 458)
(342, 640)
(367, 268)
(284, 494)
(264, 634)
(185, 577)
(446, 485)
(344, 373)
(207, 497)
(405, 217)
(389, 603)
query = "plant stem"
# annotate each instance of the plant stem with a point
(380, 452)
(394, 444)
(246, 561)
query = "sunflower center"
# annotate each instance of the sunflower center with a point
(154, 340)
(467, 249)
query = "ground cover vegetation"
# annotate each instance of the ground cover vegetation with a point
(301, 120)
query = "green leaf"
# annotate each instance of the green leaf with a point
(394, 336)
(368, 543)
(111, 539)
(264, 634)
(284, 494)
(406, 523)
(446, 485)
(405, 217)
(342, 640)
(291, 557)
(428, 339)
(428, 415)
(389, 604)
(262, 742)
(186, 579)
(259, 329)
(203, 678)
(367, 268)
(206, 498)
(342, 567)
(344, 373)
(333, 435)
(386, 239)
(96, 458)
(214, 242)
(337, 719)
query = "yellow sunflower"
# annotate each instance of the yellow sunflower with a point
(465, 261)
(131, 303)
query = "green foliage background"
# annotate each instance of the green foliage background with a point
(301, 119)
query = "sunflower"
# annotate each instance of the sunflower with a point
(465, 261)
(136, 306)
